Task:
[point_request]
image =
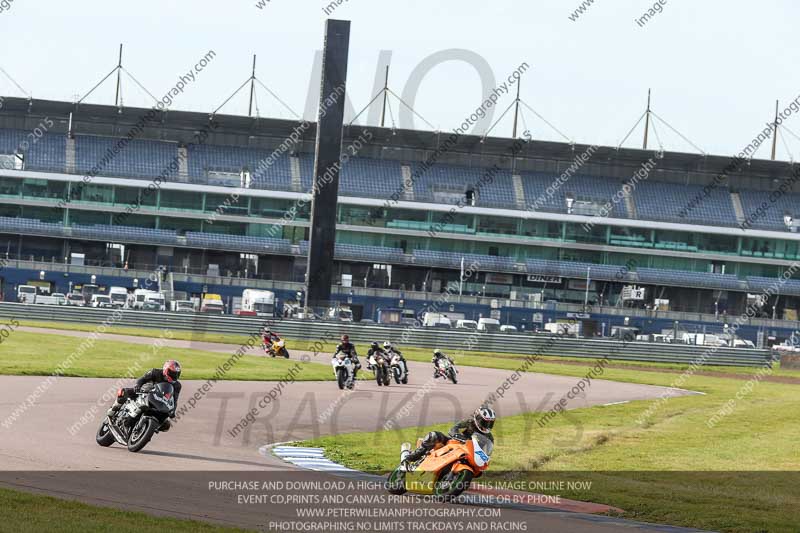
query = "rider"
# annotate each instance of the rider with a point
(437, 355)
(482, 421)
(374, 350)
(269, 337)
(349, 348)
(169, 373)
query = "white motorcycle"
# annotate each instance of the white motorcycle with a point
(446, 369)
(399, 368)
(344, 368)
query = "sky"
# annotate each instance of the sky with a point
(715, 67)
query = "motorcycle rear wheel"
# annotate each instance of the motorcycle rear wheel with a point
(140, 438)
(396, 482)
(104, 438)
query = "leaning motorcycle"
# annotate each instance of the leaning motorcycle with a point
(446, 369)
(399, 368)
(380, 366)
(446, 471)
(276, 348)
(135, 423)
(344, 368)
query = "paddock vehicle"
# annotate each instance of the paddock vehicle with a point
(344, 368)
(380, 366)
(399, 368)
(446, 369)
(446, 471)
(139, 418)
(276, 348)
(75, 299)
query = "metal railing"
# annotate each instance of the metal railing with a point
(448, 340)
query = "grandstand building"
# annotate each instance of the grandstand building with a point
(221, 203)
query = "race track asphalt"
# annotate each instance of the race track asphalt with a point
(50, 448)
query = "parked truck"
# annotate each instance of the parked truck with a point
(154, 300)
(257, 303)
(119, 297)
(212, 303)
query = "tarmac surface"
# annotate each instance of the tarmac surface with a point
(51, 449)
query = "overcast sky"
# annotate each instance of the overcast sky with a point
(716, 67)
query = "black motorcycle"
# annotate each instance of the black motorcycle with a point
(139, 418)
(380, 365)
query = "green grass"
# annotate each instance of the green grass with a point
(474, 358)
(32, 354)
(672, 469)
(22, 512)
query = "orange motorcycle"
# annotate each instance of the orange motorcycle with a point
(445, 471)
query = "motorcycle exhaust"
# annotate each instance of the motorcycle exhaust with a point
(117, 435)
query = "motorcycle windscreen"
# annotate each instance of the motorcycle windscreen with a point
(483, 448)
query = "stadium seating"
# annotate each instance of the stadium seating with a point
(789, 287)
(137, 159)
(375, 178)
(47, 153)
(771, 217)
(241, 243)
(671, 202)
(707, 280)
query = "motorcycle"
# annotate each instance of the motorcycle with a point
(344, 369)
(446, 471)
(139, 418)
(276, 348)
(446, 369)
(399, 368)
(380, 367)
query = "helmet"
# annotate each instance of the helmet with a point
(266, 329)
(437, 352)
(345, 338)
(171, 370)
(484, 418)
(374, 345)
(387, 345)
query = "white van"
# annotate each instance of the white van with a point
(142, 296)
(101, 300)
(26, 294)
(467, 324)
(508, 329)
(488, 325)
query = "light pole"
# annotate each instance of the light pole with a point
(586, 296)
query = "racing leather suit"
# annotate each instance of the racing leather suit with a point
(463, 429)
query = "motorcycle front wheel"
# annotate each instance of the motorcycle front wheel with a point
(379, 375)
(396, 372)
(451, 373)
(451, 485)
(285, 353)
(396, 482)
(104, 436)
(341, 377)
(141, 433)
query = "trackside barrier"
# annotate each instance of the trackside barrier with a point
(447, 340)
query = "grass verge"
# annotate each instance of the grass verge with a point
(739, 475)
(473, 358)
(25, 354)
(23, 512)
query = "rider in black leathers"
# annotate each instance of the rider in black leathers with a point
(482, 421)
(349, 348)
(169, 373)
